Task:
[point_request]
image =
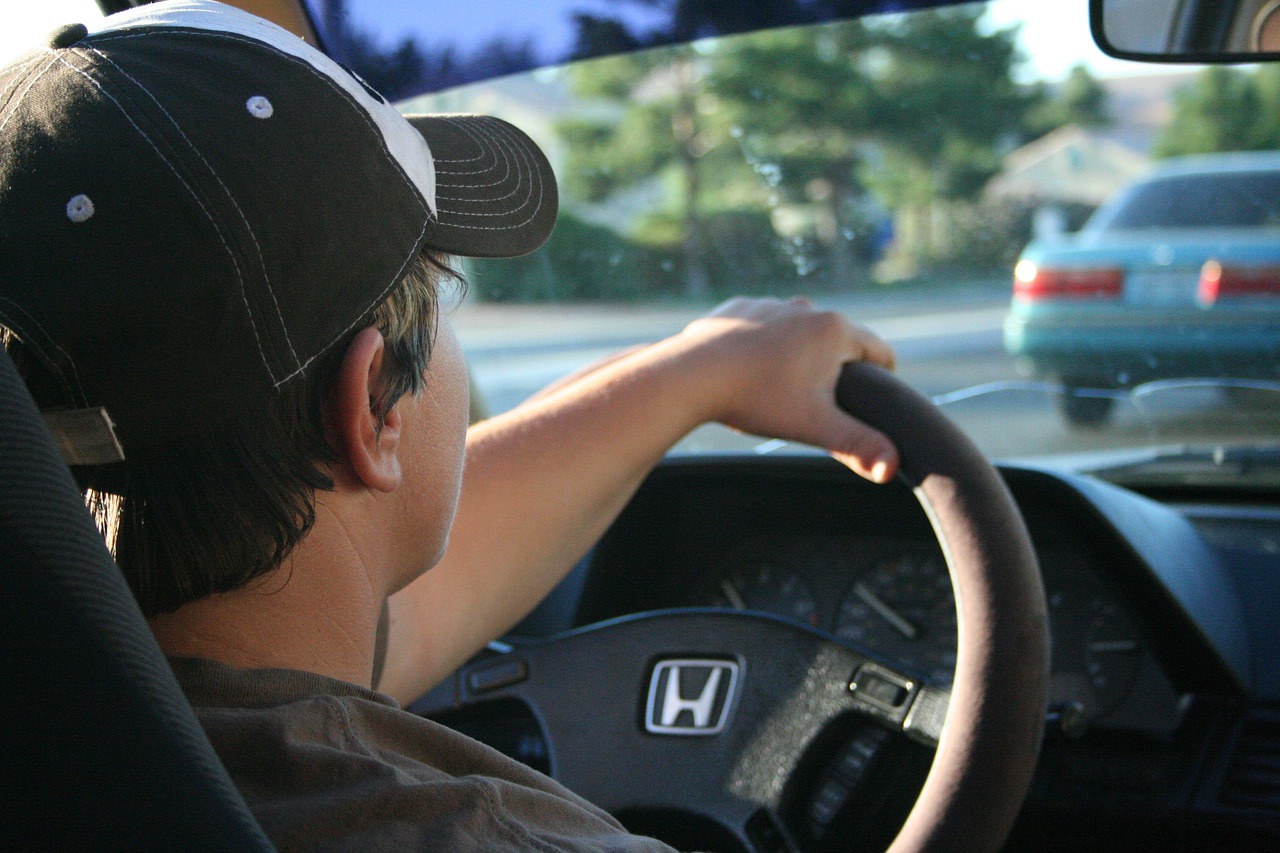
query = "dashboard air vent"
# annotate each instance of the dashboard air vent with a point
(1252, 780)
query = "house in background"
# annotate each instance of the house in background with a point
(1064, 175)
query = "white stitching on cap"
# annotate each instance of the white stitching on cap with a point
(536, 208)
(14, 108)
(359, 111)
(80, 208)
(495, 154)
(400, 137)
(367, 309)
(496, 146)
(17, 77)
(357, 108)
(16, 69)
(481, 155)
(486, 153)
(212, 221)
(342, 93)
(259, 107)
(29, 338)
(262, 264)
(504, 143)
(495, 157)
(76, 393)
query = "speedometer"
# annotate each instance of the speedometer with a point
(770, 587)
(903, 609)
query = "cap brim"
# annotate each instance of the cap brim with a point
(496, 195)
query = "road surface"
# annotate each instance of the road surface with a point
(944, 345)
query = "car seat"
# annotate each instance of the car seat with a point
(99, 749)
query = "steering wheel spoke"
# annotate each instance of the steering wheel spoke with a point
(712, 709)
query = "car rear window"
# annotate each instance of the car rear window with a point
(1231, 200)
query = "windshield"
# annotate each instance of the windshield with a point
(899, 169)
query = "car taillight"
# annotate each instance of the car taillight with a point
(1217, 281)
(1032, 282)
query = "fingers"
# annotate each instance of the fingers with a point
(874, 348)
(858, 342)
(865, 450)
(862, 344)
(773, 372)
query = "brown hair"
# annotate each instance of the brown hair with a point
(211, 511)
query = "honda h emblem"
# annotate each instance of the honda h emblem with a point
(690, 697)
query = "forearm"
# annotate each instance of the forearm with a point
(542, 484)
(544, 481)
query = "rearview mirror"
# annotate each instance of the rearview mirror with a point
(1187, 30)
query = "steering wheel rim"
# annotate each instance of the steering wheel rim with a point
(991, 736)
(987, 742)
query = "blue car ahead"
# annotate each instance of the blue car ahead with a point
(1178, 275)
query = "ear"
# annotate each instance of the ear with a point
(371, 457)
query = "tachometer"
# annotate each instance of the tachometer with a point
(770, 587)
(903, 608)
(1097, 649)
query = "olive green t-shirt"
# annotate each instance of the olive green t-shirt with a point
(327, 765)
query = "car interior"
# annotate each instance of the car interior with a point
(1005, 649)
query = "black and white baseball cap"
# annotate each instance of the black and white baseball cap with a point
(195, 204)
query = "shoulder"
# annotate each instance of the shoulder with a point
(345, 769)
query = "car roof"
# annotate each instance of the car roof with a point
(1201, 164)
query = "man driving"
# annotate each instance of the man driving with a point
(222, 276)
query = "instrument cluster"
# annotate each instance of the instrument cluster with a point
(894, 597)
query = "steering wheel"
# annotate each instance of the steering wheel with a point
(715, 712)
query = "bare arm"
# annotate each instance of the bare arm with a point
(545, 480)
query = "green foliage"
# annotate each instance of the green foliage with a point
(779, 156)
(746, 256)
(1084, 100)
(1081, 101)
(800, 101)
(954, 99)
(1223, 110)
(1267, 82)
(581, 261)
(626, 139)
(991, 234)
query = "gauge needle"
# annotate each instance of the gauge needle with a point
(889, 615)
(732, 594)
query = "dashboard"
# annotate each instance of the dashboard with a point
(805, 541)
(1164, 687)
(892, 594)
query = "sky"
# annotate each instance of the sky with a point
(1056, 38)
(26, 24)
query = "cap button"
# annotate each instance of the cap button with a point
(66, 35)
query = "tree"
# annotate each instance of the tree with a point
(649, 121)
(1084, 100)
(805, 110)
(408, 68)
(1080, 100)
(929, 100)
(1267, 125)
(956, 108)
(1218, 111)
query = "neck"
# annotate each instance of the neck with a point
(317, 612)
